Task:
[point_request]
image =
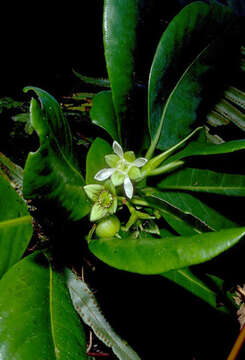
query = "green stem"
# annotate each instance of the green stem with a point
(166, 168)
(157, 160)
(140, 202)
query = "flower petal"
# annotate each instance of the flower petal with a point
(140, 162)
(117, 178)
(104, 174)
(117, 149)
(112, 160)
(134, 173)
(97, 212)
(129, 156)
(93, 191)
(128, 187)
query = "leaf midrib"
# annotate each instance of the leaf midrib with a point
(17, 221)
(158, 133)
(196, 282)
(51, 310)
(202, 187)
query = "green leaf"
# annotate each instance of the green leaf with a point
(11, 172)
(37, 318)
(103, 115)
(52, 173)
(120, 21)
(86, 305)
(189, 281)
(196, 148)
(189, 179)
(186, 213)
(95, 160)
(15, 226)
(185, 56)
(93, 81)
(155, 256)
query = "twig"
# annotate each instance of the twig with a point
(238, 345)
(98, 354)
(90, 341)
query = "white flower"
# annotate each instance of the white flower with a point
(123, 168)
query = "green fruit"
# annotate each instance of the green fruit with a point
(108, 227)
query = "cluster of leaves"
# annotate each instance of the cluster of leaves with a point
(164, 223)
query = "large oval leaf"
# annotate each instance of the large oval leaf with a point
(37, 318)
(15, 226)
(185, 55)
(195, 214)
(120, 21)
(95, 160)
(103, 114)
(192, 283)
(52, 171)
(154, 256)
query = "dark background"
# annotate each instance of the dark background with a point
(41, 44)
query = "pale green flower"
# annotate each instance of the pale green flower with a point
(104, 198)
(124, 167)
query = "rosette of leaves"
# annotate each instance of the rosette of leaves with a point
(188, 66)
(182, 70)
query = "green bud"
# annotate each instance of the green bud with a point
(108, 227)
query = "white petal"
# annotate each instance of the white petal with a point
(117, 149)
(128, 187)
(104, 174)
(140, 162)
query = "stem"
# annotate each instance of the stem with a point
(99, 354)
(238, 345)
(157, 160)
(140, 202)
(166, 168)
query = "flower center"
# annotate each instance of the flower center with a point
(123, 166)
(105, 199)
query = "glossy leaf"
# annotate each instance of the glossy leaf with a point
(192, 283)
(119, 25)
(86, 305)
(190, 179)
(196, 148)
(154, 256)
(185, 56)
(37, 318)
(52, 173)
(96, 159)
(15, 226)
(186, 212)
(103, 115)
